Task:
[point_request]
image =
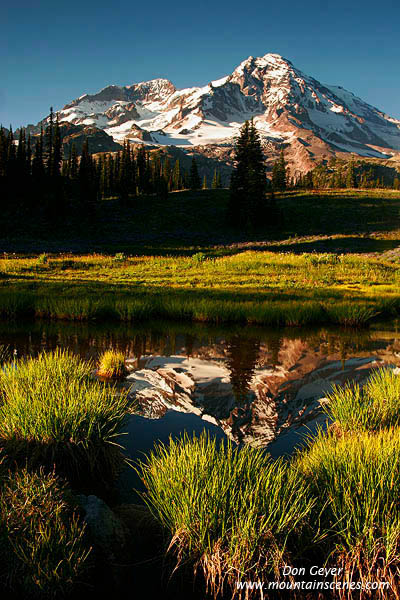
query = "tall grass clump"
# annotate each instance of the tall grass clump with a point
(53, 413)
(43, 550)
(112, 364)
(354, 479)
(349, 314)
(374, 406)
(232, 513)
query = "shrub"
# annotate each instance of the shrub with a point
(112, 364)
(42, 259)
(231, 512)
(119, 257)
(199, 257)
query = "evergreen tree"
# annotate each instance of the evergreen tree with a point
(49, 143)
(214, 184)
(57, 152)
(351, 181)
(247, 201)
(204, 186)
(176, 176)
(279, 176)
(195, 181)
(167, 170)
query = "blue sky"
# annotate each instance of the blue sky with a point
(52, 53)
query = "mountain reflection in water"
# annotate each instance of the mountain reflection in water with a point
(260, 387)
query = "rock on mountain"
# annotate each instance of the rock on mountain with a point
(98, 139)
(290, 109)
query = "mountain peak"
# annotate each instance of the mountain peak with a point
(271, 61)
(288, 107)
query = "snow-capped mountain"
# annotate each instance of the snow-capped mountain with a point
(288, 107)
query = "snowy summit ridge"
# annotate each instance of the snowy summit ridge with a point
(288, 107)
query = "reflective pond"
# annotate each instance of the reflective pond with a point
(249, 384)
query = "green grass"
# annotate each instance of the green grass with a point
(374, 406)
(354, 479)
(112, 364)
(238, 515)
(253, 287)
(334, 260)
(231, 513)
(43, 549)
(52, 413)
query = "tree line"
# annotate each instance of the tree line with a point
(339, 174)
(35, 178)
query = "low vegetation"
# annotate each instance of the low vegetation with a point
(43, 548)
(355, 481)
(112, 364)
(53, 414)
(369, 408)
(232, 513)
(255, 287)
(239, 516)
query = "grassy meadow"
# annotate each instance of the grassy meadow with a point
(332, 259)
(272, 288)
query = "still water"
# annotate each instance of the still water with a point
(248, 384)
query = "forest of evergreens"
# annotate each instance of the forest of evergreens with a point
(37, 181)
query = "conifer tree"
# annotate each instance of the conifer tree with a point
(176, 176)
(57, 152)
(214, 184)
(167, 169)
(351, 176)
(204, 186)
(247, 202)
(279, 177)
(194, 182)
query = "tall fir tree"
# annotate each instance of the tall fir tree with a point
(279, 175)
(194, 178)
(176, 176)
(247, 198)
(214, 184)
(351, 181)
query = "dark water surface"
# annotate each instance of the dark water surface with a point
(248, 384)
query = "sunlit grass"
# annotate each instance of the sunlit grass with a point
(112, 364)
(233, 513)
(374, 406)
(53, 413)
(354, 479)
(256, 287)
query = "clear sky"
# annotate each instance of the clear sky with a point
(52, 52)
